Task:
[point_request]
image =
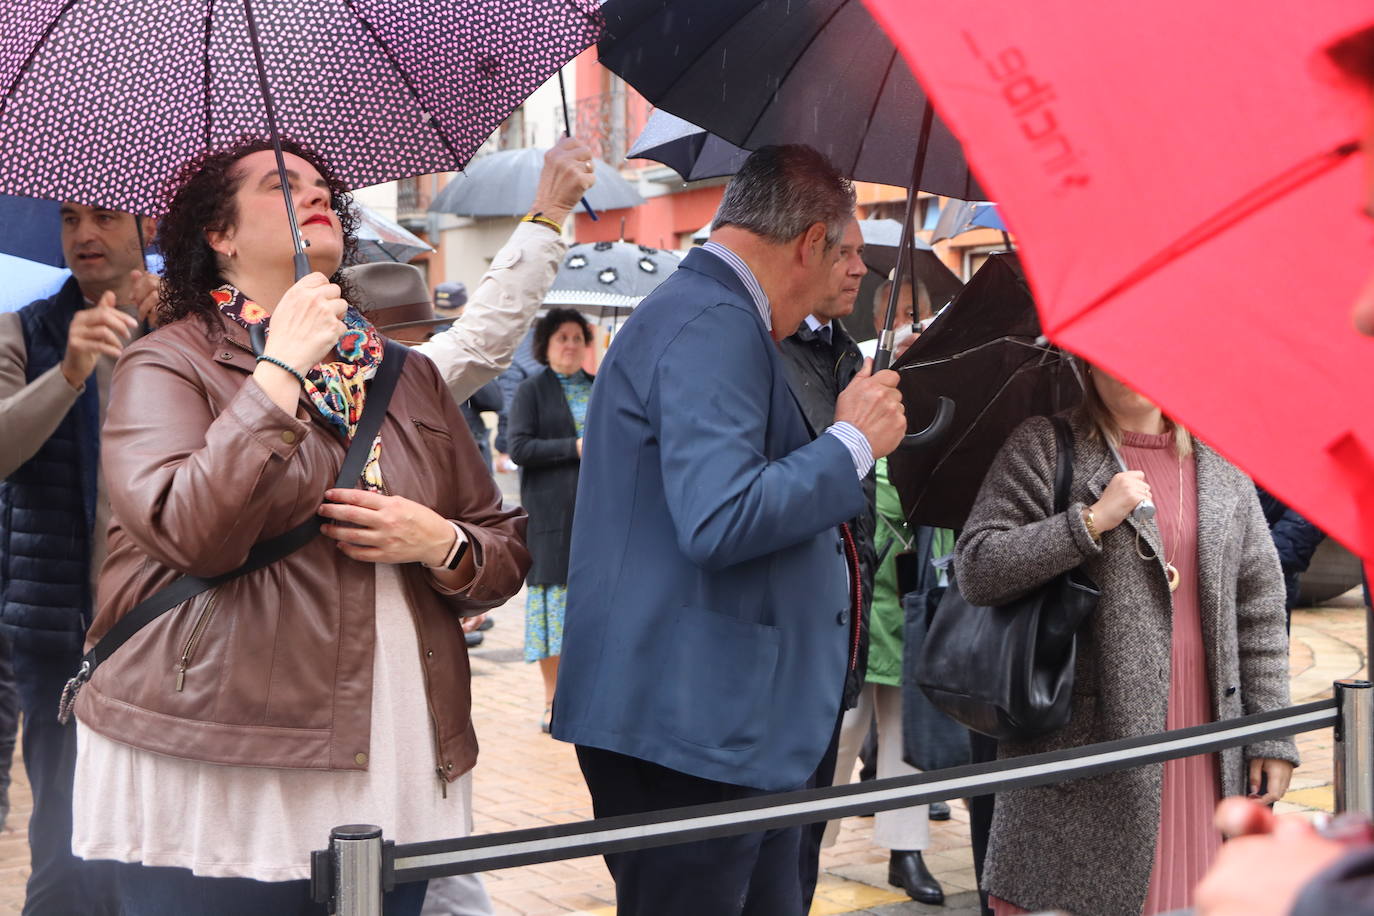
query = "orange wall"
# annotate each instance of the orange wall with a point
(657, 222)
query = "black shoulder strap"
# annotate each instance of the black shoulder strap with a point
(264, 553)
(1063, 471)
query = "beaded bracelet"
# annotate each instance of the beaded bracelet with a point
(542, 220)
(281, 365)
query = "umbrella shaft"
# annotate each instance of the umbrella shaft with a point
(302, 263)
(905, 257)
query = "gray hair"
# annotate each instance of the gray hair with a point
(781, 191)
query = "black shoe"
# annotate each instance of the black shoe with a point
(474, 639)
(908, 871)
(486, 624)
(939, 811)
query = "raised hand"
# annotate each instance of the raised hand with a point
(101, 330)
(307, 323)
(566, 177)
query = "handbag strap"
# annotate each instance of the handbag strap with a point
(1063, 471)
(264, 553)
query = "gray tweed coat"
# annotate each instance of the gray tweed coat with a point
(1088, 845)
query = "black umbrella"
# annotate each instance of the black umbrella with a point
(503, 184)
(986, 352)
(693, 153)
(883, 241)
(758, 72)
(819, 72)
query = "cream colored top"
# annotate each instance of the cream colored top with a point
(262, 823)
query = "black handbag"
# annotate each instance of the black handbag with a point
(1007, 671)
(264, 553)
(931, 740)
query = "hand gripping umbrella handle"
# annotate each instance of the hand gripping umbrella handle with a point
(935, 432)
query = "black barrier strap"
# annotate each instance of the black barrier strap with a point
(438, 858)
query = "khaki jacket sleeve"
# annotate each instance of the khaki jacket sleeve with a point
(29, 411)
(478, 347)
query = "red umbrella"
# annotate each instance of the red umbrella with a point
(1180, 177)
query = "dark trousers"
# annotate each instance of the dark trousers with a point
(145, 891)
(770, 873)
(59, 883)
(9, 720)
(980, 808)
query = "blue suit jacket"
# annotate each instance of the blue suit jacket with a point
(707, 625)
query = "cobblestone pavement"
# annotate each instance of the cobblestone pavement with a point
(525, 779)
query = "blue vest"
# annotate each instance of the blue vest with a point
(47, 506)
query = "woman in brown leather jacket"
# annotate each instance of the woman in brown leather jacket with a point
(220, 744)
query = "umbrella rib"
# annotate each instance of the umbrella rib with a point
(33, 52)
(1281, 185)
(940, 361)
(873, 113)
(793, 65)
(458, 160)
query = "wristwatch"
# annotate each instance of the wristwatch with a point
(456, 552)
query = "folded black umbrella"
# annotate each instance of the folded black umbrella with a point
(985, 351)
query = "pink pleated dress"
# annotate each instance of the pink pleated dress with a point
(1186, 842)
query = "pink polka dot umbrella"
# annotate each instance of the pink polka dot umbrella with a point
(101, 100)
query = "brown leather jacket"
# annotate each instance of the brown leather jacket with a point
(275, 668)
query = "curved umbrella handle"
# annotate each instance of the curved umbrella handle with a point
(935, 432)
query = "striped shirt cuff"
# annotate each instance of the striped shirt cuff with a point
(858, 446)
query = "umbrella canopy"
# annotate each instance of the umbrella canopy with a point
(601, 277)
(882, 240)
(25, 281)
(960, 216)
(381, 239)
(985, 353)
(503, 184)
(693, 153)
(1185, 286)
(380, 88)
(31, 229)
(756, 72)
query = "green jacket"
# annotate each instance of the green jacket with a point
(888, 621)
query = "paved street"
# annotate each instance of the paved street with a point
(525, 779)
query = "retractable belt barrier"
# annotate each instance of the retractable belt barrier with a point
(359, 865)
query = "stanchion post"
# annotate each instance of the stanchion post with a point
(356, 851)
(1354, 754)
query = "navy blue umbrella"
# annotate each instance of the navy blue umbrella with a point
(31, 229)
(693, 153)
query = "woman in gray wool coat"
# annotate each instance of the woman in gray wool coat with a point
(1189, 629)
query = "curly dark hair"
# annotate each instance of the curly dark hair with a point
(546, 327)
(200, 199)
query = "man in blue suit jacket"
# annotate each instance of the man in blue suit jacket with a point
(712, 586)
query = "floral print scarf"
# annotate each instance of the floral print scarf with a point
(337, 387)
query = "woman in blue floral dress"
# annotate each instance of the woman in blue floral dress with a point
(545, 435)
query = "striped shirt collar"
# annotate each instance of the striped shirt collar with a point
(746, 276)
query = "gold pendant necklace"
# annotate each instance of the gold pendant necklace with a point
(1171, 573)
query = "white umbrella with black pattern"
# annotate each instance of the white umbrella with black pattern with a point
(609, 278)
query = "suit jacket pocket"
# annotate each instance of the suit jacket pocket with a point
(718, 678)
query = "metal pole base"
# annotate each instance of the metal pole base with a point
(356, 850)
(1354, 756)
